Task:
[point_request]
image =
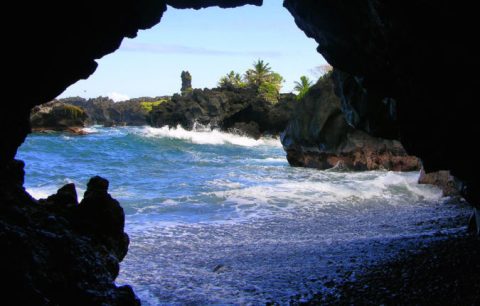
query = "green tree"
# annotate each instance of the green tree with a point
(231, 80)
(270, 89)
(302, 87)
(259, 74)
(267, 82)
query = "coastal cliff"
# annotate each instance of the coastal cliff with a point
(318, 136)
(234, 109)
(106, 112)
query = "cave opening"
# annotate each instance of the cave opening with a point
(235, 223)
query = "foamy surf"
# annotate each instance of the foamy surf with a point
(91, 129)
(41, 192)
(206, 136)
(227, 221)
(46, 191)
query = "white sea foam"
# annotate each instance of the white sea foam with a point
(328, 192)
(44, 192)
(90, 130)
(270, 258)
(41, 192)
(205, 135)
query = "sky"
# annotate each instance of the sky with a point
(208, 43)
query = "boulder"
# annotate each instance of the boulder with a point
(101, 215)
(65, 197)
(58, 116)
(442, 179)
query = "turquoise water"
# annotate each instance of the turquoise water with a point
(216, 218)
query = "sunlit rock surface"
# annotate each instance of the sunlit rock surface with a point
(318, 136)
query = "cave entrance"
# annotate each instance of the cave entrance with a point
(214, 217)
(190, 182)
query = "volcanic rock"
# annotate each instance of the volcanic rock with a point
(318, 136)
(58, 116)
(231, 109)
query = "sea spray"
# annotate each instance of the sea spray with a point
(206, 136)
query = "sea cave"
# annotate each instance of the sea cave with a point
(301, 200)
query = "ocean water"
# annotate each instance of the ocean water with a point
(222, 219)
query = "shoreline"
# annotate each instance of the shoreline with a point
(442, 272)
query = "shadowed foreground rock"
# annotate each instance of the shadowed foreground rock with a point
(318, 136)
(58, 252)
(443, 179)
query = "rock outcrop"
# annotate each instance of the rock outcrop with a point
(58, 116)
(186, 82)
(411, 74)
(443, 179)
(318, 136)
(58, 252)
(105, 111)
(233, 109)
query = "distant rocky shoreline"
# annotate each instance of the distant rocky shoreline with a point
(313, 130)
(237, 110)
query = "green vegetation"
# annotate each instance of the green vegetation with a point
(260, 73)
(302, 87)
(232, 80)
(73, 111)
(149, 105)
(261, 77)
(270, 89)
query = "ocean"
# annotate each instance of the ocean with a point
(222, 219)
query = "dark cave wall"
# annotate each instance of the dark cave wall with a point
(413, 67)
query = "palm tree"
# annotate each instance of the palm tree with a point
(303, 86)
(259, 74)
(232, 79)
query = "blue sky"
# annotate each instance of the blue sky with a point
(209, 43)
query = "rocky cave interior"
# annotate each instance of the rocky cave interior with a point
(408, 72)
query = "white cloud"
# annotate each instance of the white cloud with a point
(117, 97)
(182, 49)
